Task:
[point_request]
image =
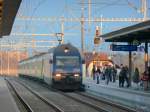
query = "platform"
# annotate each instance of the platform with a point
(7, 103)
(133, 96)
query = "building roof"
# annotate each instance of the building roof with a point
(8, 11)
(138, 32)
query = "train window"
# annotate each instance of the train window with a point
(67, 61)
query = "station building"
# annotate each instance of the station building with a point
(97, 59)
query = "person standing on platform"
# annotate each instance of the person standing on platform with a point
(145, 78)
(93, 71)
(103, 72)
(110, 76)
(126, 75)
(149, 73)
(136, 76)
(114, 72)
(108, 73)
(98, 72)
(121, 76)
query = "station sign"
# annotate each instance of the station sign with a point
(114, 47)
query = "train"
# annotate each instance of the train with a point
(61, 67)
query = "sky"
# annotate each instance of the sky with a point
(72, 9)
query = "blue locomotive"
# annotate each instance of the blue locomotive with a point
(61, 67)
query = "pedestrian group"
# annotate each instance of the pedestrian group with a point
(109, 74)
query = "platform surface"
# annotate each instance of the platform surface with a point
(134, 96)
(7, 103)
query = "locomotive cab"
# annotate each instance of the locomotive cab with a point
(67, 67)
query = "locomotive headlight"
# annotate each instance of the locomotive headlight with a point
(76, 75)
(58, 75)
(66, 49)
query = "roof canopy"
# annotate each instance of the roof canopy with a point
(8, 10)
(139, 32)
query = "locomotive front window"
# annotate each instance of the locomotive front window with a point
(67, 61)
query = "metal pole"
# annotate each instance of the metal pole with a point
(89, 5)
(144, 9)
(101, 30)
(130, 67)
(82, 28)
(146, 55)
(62, 30)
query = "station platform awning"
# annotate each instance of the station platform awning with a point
(8, 11)
(138, 32)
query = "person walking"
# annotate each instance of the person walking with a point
(98, 72)
(94, 72)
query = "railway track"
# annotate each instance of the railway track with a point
(73, 107)
(32, 101)
(98, 104)
(116, 107)
(22, 102)
(107, 106)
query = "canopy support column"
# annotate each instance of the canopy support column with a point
(146, 55)
(130, 67)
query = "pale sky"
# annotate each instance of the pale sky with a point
(72, 9)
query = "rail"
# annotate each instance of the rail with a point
(110, 103)
(25, 104)
(51, 104)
